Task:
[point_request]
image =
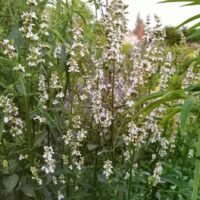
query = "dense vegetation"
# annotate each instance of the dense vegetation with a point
(84, 116)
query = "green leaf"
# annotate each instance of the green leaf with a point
(16, 35)
(189, 20)
(164, 97)
(58, 35)
(51, 122)
(187, 106)
(172, 112)
(193, 2)
(194, 26)
(39, 140)
(147, 98)
(12, 165)
(21, 88)
(193, 88)
(10, 182)
(194, 35)
(28, 190)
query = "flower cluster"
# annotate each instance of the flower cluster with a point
(54, 81)
(28, 25)
(166, 71)
(189, 77)
(34, 56)
(108, 168)
(56, 84)
(77, 50)
(73, 140)
(49, 166)
(57, 51)
(19, 68)
(11, 116)
(60, 195)
(44, 26)
(135, 135)
(28, 19)
(35, 175)
(155, 178)
(115, 24)
(154, 39)
(42, 88)
(103, 85)
(8, 49)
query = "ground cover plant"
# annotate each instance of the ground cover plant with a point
(85, 116)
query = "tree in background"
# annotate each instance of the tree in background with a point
(173, 36)
(139, 28)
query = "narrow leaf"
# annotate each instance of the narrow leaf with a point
(185, 112)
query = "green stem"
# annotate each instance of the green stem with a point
(197, 171)
(130, 177)
(95, 178)
(28, 124)
(113, 109)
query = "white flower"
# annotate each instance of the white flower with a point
(127, 155)
(41, 84)
(60, 95)
(44, 25)
(65, 159)
(35, 176)
(107, 169)
(81, 135)
(55, 102)
(129, 103)
(191, 153)
(60, 195)
(21, 157)
(83, 97)
(54, 179)
(40, 119)
(33, 36)
(5, 42)
(19, 68)
(6, 120)
(57, 52)
(62, 179)
(9, 49)
(49, 166)
(68, 137)
(127, 176)
(54, 81)
(28, 15)
(155, 178)
(73, 65)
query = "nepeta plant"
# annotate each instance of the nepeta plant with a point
(82, 119)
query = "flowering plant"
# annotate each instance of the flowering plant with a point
(80, 119)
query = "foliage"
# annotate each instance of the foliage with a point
(191, 19)
(84, 116)
(173, 37)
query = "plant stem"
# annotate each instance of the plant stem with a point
(197, 171)
(95, 178)
(130, 177)
(113, 108)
